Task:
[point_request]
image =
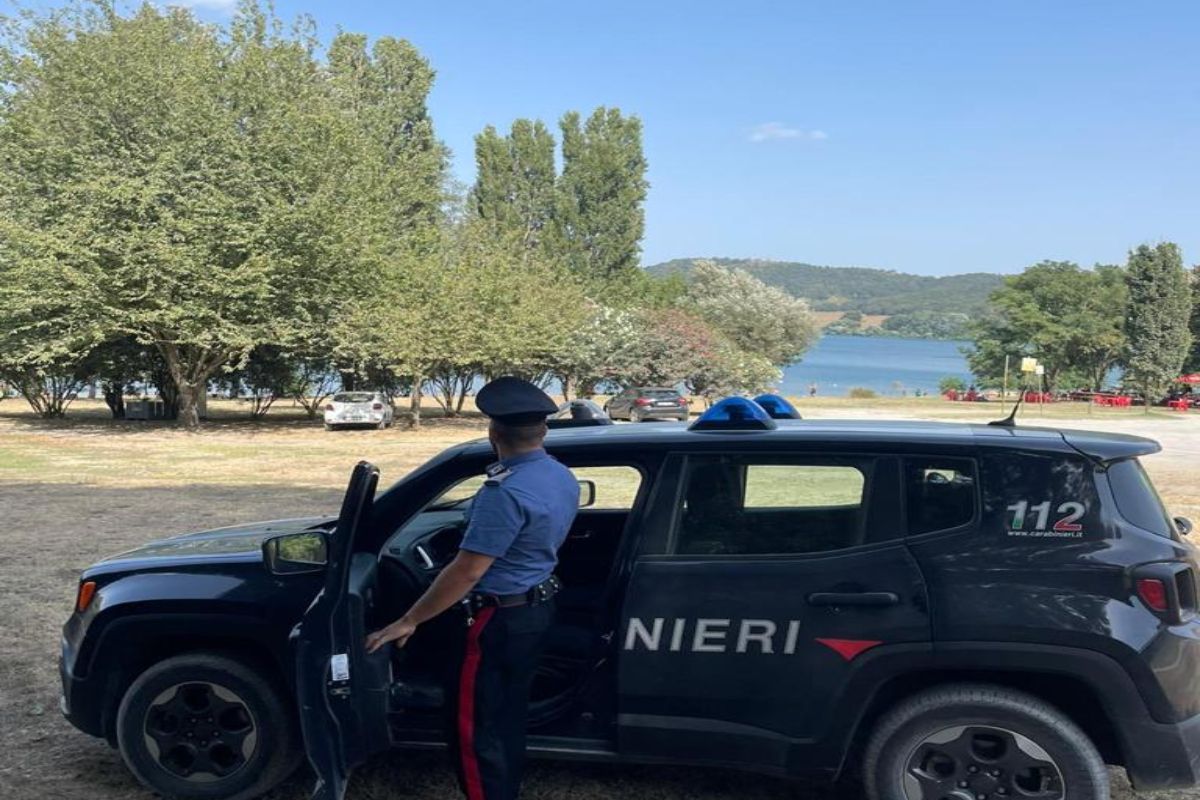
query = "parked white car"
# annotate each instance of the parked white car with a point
(359, 408)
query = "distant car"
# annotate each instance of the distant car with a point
(648, 402)
(359, 408)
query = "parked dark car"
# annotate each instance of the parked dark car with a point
(948, 610)
(647, 402)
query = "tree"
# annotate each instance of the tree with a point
(515, 180)
(1193, 361)
(600, 219)
(758, 319)
(1156, 327)
(1067, 317)
(206, 191)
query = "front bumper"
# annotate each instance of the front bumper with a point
(82, 701)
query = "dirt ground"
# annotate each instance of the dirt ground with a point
(74, 491)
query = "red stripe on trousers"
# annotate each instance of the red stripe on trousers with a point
(466, 706)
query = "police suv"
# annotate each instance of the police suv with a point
(940, 610)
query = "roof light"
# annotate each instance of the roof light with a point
(734, 414)
(777, 406)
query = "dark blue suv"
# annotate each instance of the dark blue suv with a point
(939, 610)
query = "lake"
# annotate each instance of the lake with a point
(889, 366)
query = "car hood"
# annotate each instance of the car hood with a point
(235, 540)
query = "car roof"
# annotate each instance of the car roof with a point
(674, 435)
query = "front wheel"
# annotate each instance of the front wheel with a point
(968, 742)
(203, 726)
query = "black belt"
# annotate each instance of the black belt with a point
(542, 593)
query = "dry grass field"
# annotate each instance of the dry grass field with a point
(75, 490)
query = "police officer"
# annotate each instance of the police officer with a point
(503, 580)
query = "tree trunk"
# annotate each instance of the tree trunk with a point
(114, 398)
(414, 404)
(189, 411)
(565, 381)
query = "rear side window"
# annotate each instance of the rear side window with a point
(939, 493)
(1137, 499)
(1034, 496)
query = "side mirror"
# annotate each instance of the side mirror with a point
(295, 553)
(587, 493)
(1183, 525)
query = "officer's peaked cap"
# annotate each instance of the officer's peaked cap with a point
(514, 401)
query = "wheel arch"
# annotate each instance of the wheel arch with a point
(144, 643)
(1091, 688)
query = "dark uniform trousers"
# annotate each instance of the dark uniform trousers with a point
(490, 698)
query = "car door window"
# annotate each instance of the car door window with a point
(939, 493)
(760, 505)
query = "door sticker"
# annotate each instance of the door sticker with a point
(339, 667)
(1030, 519)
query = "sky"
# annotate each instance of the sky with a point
(926, 137)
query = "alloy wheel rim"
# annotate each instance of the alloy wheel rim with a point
(981, 762)
(200, 731)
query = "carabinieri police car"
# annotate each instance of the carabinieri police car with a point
(941, 610)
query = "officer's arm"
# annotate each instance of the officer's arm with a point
(451, 585)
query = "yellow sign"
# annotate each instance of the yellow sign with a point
(1029, 364)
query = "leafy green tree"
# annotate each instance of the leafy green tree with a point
(951, 383)
(1067, 317)
(758, 319)
(600, 219)
(205, 190)
(1156, 326)
(515, 183)
(1193, 361)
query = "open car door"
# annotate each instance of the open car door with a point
(343, 691)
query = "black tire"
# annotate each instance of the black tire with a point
(980, 723)
(248, 766)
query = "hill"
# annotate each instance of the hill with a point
(870, 291)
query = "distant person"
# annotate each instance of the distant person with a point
(812, 390)
(972, 394)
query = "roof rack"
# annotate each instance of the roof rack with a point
(734, 414)
(777, 406)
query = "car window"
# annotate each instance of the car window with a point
(769, 505)
(1032, 497)
(802, 486)
(616, 486)
(939, 493)
(660, 394)
(353, 397)
(1137, 499)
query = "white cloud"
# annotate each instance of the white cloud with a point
(772, 131)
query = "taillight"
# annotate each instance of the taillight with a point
(683, 401)
(1153, 593)
(1168, 589)
(83, 599)
(329, 406)
(642, 401)
(378, 406)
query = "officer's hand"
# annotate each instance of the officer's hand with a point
(397, 632)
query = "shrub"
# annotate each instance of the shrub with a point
(863, 393)
(949, 382)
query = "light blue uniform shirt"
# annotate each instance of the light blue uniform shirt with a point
(520, 517)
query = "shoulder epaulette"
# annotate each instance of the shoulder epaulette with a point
(496, 473)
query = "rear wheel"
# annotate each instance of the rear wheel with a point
(979, 742)
(202, 726)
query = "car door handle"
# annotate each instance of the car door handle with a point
(876, 599)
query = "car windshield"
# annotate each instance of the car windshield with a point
(353, 397)
(660, 394)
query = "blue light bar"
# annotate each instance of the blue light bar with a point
(777, 406)
(734, 414)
